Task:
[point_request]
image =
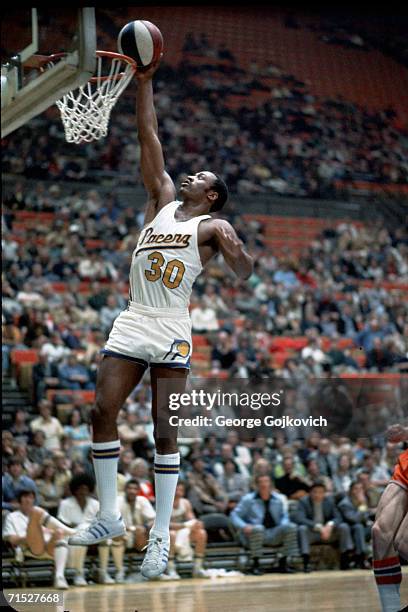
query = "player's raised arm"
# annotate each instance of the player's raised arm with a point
(232, 248)
(157, 182)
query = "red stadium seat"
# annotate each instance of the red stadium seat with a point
(88, 396)
(20, 356)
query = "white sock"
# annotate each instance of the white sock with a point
(166, 473)
(388, 576)
(105, 460)
(60, 558)
(53, 523)
(198, 563)
(389, 597)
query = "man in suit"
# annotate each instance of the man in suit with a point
(326, 460)
(261, 518)
(320, 521)
(355, 512)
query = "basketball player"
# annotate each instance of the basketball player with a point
(390, 530)
(178, 238)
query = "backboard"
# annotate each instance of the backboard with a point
(24, 98)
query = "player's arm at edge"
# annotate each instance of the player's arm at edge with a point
(232, 248)
(158, 184)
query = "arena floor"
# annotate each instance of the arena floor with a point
(329, 591)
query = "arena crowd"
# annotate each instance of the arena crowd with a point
(289, 489)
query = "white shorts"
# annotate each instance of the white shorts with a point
(151, 336)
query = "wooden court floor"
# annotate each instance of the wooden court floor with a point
(320, 591)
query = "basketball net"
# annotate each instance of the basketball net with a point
(85, 112)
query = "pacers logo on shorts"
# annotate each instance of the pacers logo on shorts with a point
(179, 348)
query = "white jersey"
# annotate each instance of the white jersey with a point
(166, 261)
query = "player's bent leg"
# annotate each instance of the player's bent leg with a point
(387, 569)
(391, 510)
(116, 380)
(165, 381)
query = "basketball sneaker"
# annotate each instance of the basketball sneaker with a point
(60, 583)
(200, 572)
(156, 558)
(99, 530)
(105, 578)
(80, 581)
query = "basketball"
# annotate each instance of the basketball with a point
(142, 41)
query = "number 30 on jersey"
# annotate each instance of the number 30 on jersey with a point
(173, 272)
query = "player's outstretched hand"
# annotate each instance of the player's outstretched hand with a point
(397, 433)
(145, 75)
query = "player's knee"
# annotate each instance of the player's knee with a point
(377, 532)
(100, 413)
(59, 534)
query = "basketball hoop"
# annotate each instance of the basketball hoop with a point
(85, 112)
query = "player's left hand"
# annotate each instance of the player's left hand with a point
(146, 75)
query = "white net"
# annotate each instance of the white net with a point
(85, 112)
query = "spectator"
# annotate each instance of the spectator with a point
(241, 452)
(203, 319)
(138, 515)
(242, 368)
(379, 358)
(21, 453)
(139, 469)
(232, 482)
(45, 376)
(223, 354)
(77, 430)
(49, 425)
(227, 452)
(262, 519)
(326, 460)
(49, 492)
(12, 481)
(7, 445)
(356, 513)
(208, 500)
(38, 452)
(320, 521)
(20, 430)
(186, 530)
(343, 477)
(54, 349)
(74, 375)
(205, 494)
(108, 313)
(63, 472)
(132, 432)
(78, 511)
(31, 530)
(290, 484)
